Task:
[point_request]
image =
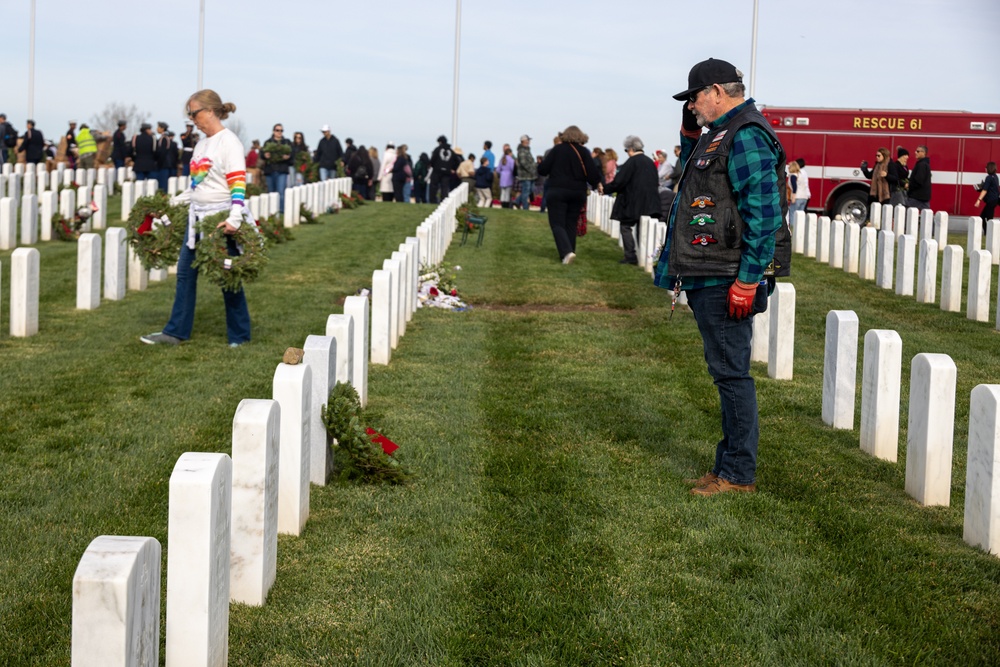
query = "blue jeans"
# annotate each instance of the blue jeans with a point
(407, 191)
(524, 198)
(276, 183)
(327, 174)
(143, 175)
(797, 205)
(162, 176)
(727, 352)
(182, 316)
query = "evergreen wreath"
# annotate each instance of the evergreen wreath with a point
(212, 258)
(273, 230)
(347, 201)
(279, 151)
(156, 230)
(306, 216)
(67, 230)
(356, 455)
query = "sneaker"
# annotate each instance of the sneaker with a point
(628, 261)
(238, 344)
(703, 480)
(160, 338)
(719, 485)
(568, 259)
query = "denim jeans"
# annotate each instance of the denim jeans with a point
(182, 315)
(407, 191)
(276, 183)
(327, 174)
(797, 205)
(727, 352)
(524, 197)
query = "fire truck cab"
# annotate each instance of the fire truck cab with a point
(833, 143)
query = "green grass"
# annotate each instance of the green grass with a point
(550, 427)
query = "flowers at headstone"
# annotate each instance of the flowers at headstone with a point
(438, 288)
(156, 230)
(212, 258)
(69, 230)
(276, 150)
(273, 230)
(360, 454)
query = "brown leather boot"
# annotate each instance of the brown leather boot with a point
(719, 485)
(703, 480)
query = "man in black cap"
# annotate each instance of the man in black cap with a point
(120, 148)
(443, 164)
(726, 241)
(898, 177)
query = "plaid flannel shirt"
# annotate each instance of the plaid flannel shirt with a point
(752, 163)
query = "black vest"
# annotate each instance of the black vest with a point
(708, 230)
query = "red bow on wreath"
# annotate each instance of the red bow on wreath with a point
(388, 446)
(146, 226)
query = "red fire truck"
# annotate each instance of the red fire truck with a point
(833, 143)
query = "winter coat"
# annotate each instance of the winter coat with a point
(637, 185)
(388, 162)
(143, 156)
(505, 167)
(920, 180)
(328, 151)
(568, 168)
(527, 167)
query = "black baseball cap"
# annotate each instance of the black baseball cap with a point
(709, 72)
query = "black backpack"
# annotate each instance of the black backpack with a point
(9, 136)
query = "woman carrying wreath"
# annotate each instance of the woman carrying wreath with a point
(218, 183)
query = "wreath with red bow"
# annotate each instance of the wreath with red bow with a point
(156, 230)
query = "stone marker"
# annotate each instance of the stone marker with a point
(321, 356)
(781, 350)
(67, 204)
(887, 212)
(29, 220)
(157, 275)
(899, 219)
(761, 341)
(198, 535)
(357, 308)
(49, 206)
(912, 221)
(884, 260)
(941, 229)
(395, 272)
(973, 237)
(904, 265)
(84, 198)
(811, 229)
(931, 428)
(253, 550)
(982, 471)
(926, 224)
(875, 215)
(840, 368)
(980, 273)
(414, 244)
(409, 253)
(381, 331)
(115, 264)
(852, 248)
(927, 272)
(880, 375)
(837, 244)
(151, 186)
(127, 189)
(28, 184)
(341, 328)
(116, 603)
(24, 292)
(138, 277)
(798, 223)
(404, 291)
(292, 389)
(952, 266)
(88, 271)
(992, 238)
(823, 239)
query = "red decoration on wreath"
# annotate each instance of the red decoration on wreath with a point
(146, 226)
(387, 445)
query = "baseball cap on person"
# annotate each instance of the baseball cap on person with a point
(325, 128)
(709, 72)
(524, 136)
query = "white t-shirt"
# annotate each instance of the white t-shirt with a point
(802, 185)
(218, 170)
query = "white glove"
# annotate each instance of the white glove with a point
(235, 216)
(182, 198)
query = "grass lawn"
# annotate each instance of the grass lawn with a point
(550, 428)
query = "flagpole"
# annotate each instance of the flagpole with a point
(31, 64)
(753, 51)
(454, 95)
(201, 46)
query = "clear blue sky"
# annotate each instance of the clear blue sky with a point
(383, 71)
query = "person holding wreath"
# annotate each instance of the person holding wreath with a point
(218, 183)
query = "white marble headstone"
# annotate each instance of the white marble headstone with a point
(292, 389)
(927, 271)
(888, 211)
(798, 223)
(884, 261)
(781, 350)
(198, 538)
(982, 470)
(980, 275)
(115, 264)
(253, 550)
(24, 282)
(952, 267)
(381, 328)
(811, 230)
(837, 244)
(29, 220)
(875, 215)
(321, 355)
(840, 368)
(880, 377)
(941, 229)
(127, 196)
(395, 272)
(404, 291)
(138, 276)
(907, 250)
(414, 244)
(823, 239)
(760, 343)
(116, 603)
(992, 238)
(852, 247)
(88, 271)
(356, 307)
(930, 429)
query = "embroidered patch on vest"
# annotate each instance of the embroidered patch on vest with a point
(702, 202)
(703, 239)
(712, 146)
(703, 219)
(719, 136)
(702, 163)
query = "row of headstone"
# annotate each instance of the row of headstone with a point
(931, 420)
(890, 257)
(133, 190)
(225, 514)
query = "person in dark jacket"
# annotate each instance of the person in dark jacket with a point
(420, 184)
(188, 141)
(8, 137)
(898, 177)
(172, 156)
(920, 181)
(120, 148)
(328, 152)
(402, 175)
(637, 184)
(276, 168)
(32, 145)
(349, 150)
(570, 171)
(361, 170)
(143, 153)
(161, 150)
(444, 162)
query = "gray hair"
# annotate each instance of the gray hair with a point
(734, 89)
(633, 143)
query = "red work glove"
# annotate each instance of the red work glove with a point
(741, 298)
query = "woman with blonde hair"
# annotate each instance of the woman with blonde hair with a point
(610, 160)
(569, 171)
(218, 183)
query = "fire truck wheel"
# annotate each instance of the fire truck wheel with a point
(852, 207)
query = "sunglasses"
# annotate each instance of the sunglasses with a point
(693, 97)
(193, 114)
